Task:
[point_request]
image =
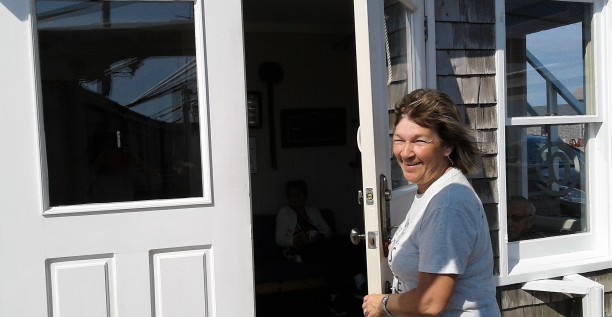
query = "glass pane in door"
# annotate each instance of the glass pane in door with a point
(400, 74)
(119, 100)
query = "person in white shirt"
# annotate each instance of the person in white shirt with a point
(305, 236)
(298, 224)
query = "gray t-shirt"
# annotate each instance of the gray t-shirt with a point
(446, 232)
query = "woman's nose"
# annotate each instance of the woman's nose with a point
(406, 149)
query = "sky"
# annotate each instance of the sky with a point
(560, 49)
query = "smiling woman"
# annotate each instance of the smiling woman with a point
(440, 255)
(421, 155)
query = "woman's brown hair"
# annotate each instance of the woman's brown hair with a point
(435, 110)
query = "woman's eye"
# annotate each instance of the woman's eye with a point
(397, 141)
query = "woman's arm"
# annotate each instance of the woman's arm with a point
(429, 298)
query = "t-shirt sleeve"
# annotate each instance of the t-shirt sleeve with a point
(446, 240)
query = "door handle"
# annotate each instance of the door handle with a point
(356, 236)
(385, 218)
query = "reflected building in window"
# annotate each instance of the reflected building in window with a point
(549, 75)
(119, 100)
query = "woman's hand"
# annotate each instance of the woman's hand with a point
(372, 305)
(429, 298)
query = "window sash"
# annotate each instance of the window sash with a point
(581, 252)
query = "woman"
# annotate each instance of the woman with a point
(440, 255)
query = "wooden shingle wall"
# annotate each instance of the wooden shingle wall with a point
(465, 68)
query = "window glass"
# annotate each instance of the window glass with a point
(119, 100)
(547, 50)
(546, 183)
(399, 68)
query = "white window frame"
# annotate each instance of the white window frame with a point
(527, 260)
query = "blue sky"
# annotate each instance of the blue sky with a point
(560, 49)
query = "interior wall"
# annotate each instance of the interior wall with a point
(319, 71)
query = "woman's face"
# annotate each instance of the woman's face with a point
(420, 153)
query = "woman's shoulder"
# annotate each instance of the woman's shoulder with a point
(456, 192)
(456, 197)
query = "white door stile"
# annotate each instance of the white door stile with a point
(373, 134)
(373, 122)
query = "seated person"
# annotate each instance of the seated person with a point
(306, 237)
(297, 224)
(521, 213)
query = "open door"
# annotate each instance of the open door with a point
(390, 44)
(125, 187)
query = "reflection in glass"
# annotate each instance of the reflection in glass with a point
(548, 46)
(399, 68)
(119, 99)
(545, 165)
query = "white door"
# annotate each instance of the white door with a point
(159, 222)
(390, 32)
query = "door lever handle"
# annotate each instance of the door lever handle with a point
(356, 236)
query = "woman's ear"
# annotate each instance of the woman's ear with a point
(448, 149)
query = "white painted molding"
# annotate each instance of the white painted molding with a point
(592, 292)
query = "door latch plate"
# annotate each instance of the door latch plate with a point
(372, 239)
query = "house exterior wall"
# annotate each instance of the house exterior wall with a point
(465, 68)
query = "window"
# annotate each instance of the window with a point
(553, 120)
(119, 87)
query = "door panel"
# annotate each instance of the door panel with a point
(87, 281)
(162, 255)
(387, 33)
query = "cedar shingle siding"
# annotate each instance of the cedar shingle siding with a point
(465, 68)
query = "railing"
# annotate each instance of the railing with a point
(553, 87)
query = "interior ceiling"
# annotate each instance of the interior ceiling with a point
(329, 12)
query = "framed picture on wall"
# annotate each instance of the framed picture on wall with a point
(313, 127)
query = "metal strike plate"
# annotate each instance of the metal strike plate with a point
(369, 197)
(372, 239)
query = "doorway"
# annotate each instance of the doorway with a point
(303, 119)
